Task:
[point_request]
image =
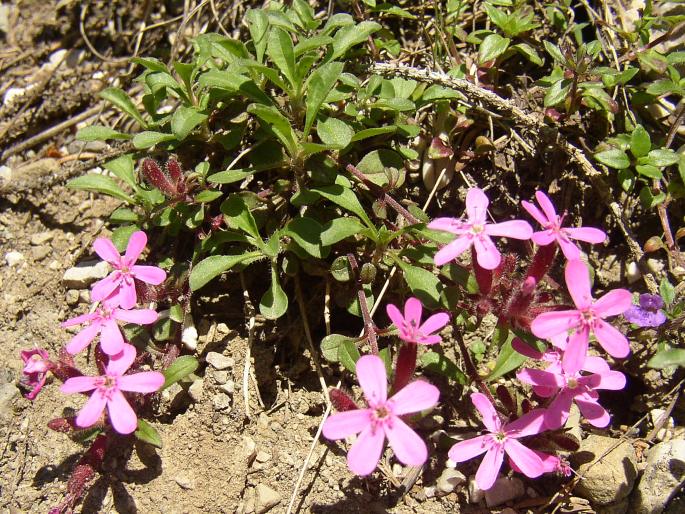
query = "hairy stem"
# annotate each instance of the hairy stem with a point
(369, 326)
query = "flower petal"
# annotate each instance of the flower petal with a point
(487, 254)
(547, 205)
(119, 364)
(149, 274)
(434, 323)
(143, 382)
(90, 316)
(78, 385)
(121, 414)
(540, 377)
(578, 283)
(557, 412)
(531, 423)
(412, 311)
(543, 237)
(452, 250)
(83, 338)
(137, 316)
(452, 225)
(489, 467)
(372, 379)
(591, 410)
(476, 205)
(526, 459)
(111, 339)
(521, 347)
(395, 315)
(470, 448)
(347, 423)
(587, 234)
(104, 288)
(127, 295)
(487, 411)
(535, 212)
(576, 351)
(365, 453)
(515, 229)
(415, 397)
(409, 448)
(90, 413)
(613, 341)
(594, 364)
(107, 251)
(550, 324)
(616, 301)
(611, 380)
(570, 250)
(136, 245)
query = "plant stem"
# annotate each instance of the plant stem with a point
(471, 369)
(369, 327)
(384, 197)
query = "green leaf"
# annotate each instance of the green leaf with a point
(345, 198)
(613, 158)
(374, 131)
(307, 233)
(184, 120)
(100, 184)
(281, 52)
(240, 216)
(207, 196)
(338, 229)
(151, 64)
(529, 53)
(348, 355)
(557, 93)
(312, 43)
(319, 84)
(121, 235)
(352, 35)
(438, 363)
(334, 133)
(330, 346)
(667, 358)
(215, 265)
(554, 51)
(278, 124)
(258, 23)
(147, 433)
(376, 166)
(179, 369)
(423, 284)
(122, 167)
(647, 170)
(667, 291)
(235, 83)
(148, 138)
(648, 199)
(176, 313)
(123, 215)
(508, 360)
(121, 100)
(663, 157)
(492, 47)
(100, 133)
(274, 302)
(640, 142)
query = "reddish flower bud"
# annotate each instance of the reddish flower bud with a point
(341, 400)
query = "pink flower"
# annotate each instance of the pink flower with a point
(588, 317)
(410, 327)
(553, 231)
(120, 283)
(569, 385)
(550, 463)
(501, 439)
(104, 322)
(382, 419)
(107, 391)
(36, 366)
(477, 231)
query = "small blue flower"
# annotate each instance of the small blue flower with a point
(648, 313)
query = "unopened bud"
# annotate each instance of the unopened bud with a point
(341, 400)
(654, 244)
(483, 145)
(367, 273)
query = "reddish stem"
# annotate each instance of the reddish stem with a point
(369, 326)
(483, 276)
(406, 365)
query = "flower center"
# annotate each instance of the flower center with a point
(36, 357)
(572, 383)
(588, 317)
(477, 228)
(382, 412)
(500, 437)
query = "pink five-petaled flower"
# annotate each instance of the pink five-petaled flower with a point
(501, 439)
(553, 231)
(107, 391)
(570, 385)
(382, 419)
(120, 285)
(410, 327)
(587, 317)
(477, 231)
(36, 366)
(104, 322)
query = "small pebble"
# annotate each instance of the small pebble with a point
(221, 377)
(13, 258)
(195, 390)
(221, 401)
(72, 297)
(40, 252)
(219, 361)
(41, 238)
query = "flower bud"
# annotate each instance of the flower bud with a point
(368, 273)
(653, 244)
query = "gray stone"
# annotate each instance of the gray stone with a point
(8, 392)
(221, 377)
(221, 401)
(661, 479)
(219, 361)
(184, 481)
(40, 252)
(503, 490)
(263, 456)
(14, 258)
(610, 480)
(195, 390)
(266, 498)
(448, 480)
(228, 387)
(40, 238)
(72, 297)
(84, 274)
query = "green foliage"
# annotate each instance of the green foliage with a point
(179, 369)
